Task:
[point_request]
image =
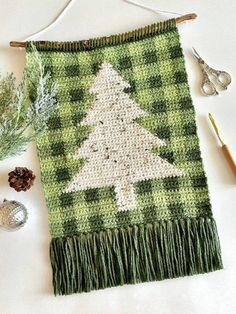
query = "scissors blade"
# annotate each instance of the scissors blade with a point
(196, 54)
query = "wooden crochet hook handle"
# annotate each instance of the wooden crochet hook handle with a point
(229, 158)
(180, 19)
(224, 147)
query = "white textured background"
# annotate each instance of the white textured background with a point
(25, 273)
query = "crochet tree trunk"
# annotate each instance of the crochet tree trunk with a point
(118, 151)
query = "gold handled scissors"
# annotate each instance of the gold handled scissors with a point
(212, 78)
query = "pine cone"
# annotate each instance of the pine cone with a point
(21, 179)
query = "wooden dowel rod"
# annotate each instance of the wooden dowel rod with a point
(18, 44)
(181, 19)
(185, 18)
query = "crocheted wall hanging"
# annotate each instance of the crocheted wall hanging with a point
(120, 163)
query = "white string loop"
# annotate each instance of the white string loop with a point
(62, 13)
(149, 8)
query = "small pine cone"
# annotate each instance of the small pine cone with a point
(21, 179)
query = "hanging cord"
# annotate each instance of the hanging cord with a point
(62, 13)
(149, 8)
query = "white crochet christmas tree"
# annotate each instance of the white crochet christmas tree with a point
(118, 151)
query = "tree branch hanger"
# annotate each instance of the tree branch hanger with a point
(22, 44)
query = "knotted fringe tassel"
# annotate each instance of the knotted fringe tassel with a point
(139, 253)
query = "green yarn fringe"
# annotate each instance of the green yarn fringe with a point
(162, 250)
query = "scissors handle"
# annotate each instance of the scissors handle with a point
(223, 79)
(208, 88)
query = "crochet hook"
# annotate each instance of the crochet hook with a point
(224, 147)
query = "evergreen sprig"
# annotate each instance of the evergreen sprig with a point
(24, 110)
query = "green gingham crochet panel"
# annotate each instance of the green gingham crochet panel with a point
(154, 67)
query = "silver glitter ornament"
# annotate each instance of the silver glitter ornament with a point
(13, 215)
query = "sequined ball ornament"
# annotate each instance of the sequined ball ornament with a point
(13, 215)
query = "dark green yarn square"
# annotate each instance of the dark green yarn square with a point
(149, 213)
(91, 195)
(150, 57)
(176, 209)
(123, 219)
(62, 174)
(155, 81)
(171, 183)
(204, 207)
(185, 103)
(144, 186)
(190, 128)
(76, 94)
(72, 70)
(163, 132)
(125, 63)
(54, 123)
(199, 181)
(95, 68)
(70, 228)
(176, 52)
(158, 106)
(57, 149)
(66, 199)
(96, 223)
(194, 155)
(169, 156)
(180, 77)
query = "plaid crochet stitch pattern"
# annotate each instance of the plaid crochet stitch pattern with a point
(120, 163)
